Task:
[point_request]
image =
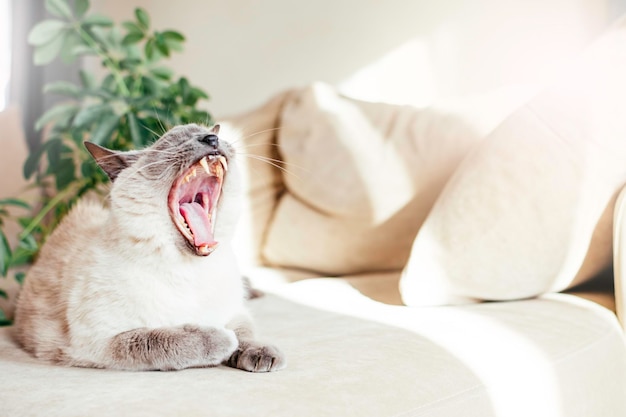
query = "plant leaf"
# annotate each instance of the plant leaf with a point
(161, 45)
(162, 73)
(65, 174)
(59, 8)
(132, 27)
(19, 277)
(97, 20)
(3, 294)
(64, 88)
(149, 49)
(87, 79)
(172, 35)
(14, 202)
(59, 113)
(142, 18)
(90, 114)
(82, 49)
(45, 31)
(132, 38)
(105, 129)
(5, 254)
(44, 54)
(81, 7)
(135, 133)
(4, 321)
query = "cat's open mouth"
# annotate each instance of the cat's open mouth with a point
(193, 202)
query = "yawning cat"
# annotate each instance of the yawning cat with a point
(149, 282)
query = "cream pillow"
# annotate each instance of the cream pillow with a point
(361, 179)
(529, 211)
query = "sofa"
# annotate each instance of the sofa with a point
(461, 260)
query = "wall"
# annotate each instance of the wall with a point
(412, 52)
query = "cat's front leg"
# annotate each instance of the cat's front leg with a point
(170, 348)
(252, 355)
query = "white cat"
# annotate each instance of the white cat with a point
(149, 282)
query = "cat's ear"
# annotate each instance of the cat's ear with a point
(215, 129)
(111, 162)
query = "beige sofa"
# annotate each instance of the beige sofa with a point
(376, 259)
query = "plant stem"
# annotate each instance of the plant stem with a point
(51, 204)
(106, 59)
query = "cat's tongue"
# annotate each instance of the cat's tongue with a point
(196, 218)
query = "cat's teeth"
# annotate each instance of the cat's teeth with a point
(224, 163)
(205, 165)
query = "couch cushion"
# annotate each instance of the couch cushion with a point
(360, 179)
(556, 356)
(530, 210)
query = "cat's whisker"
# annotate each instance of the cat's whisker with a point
(274, 164)
(251, 135)
(278, 161)
(159, 121)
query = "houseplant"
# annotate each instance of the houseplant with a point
(132, 102)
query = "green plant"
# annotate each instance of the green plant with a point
(133, 101)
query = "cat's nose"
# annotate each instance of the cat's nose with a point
(210, 140)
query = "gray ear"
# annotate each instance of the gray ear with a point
(215, 129)
(111, 162)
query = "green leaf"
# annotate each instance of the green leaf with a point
(87, 79)
(130, 63)
(88, 115)
(21, 256)
(54, 150)
(3, 294)
(61, 113)
(67, 51)
(82, 49)
(132, 27)
(105, 129)
(65, 173)
(81, 7)
(59, 8)
(135, 133)
(162, 73)
(142, 18)
(44, 54)
(132, 38)
(14, 202)
(64, 88)
(174, 45)
(20, 277)
(4, 321)
(161, 44)
(150, 49)
(171, 35)
(199, 93)
(32, 162)
(5, 254)
(97, 20)
(45, 31)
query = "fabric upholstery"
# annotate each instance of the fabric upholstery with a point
(619, 257)
(359, 178)
(530, 210)
(556, 356)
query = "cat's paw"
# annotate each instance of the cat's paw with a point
(255, 357)
(217, 344)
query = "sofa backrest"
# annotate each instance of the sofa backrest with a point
(346, 184)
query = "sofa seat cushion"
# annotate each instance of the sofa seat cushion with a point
(348, 355)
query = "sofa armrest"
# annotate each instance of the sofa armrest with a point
(619, 256)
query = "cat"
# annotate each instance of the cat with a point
(148, 282)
